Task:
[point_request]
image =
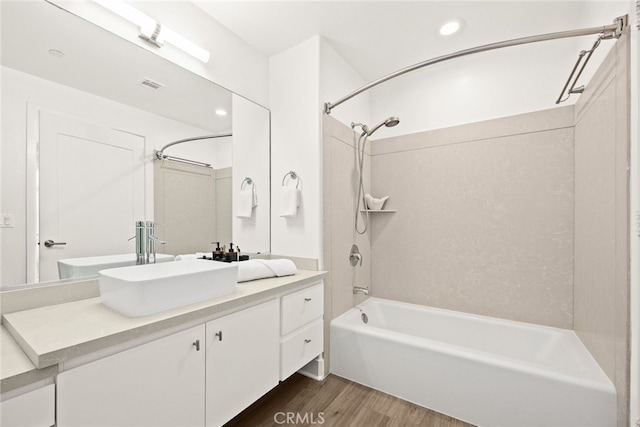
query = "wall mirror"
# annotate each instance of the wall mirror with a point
(83, 111)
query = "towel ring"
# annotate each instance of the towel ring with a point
(247, 180)
(293, 175)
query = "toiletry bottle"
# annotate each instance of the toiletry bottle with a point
(217, 252)
(232, 255)
(240, 256)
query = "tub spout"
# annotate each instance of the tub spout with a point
(360, 290)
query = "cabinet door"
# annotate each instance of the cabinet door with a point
(160, 383)
(242, 360)
(33, 409)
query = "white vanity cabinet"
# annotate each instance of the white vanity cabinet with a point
(242, 360)
(160, 383)
(301, 329)
(33, 409)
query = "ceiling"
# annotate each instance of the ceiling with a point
(379, 37)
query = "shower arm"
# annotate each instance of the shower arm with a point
(608, 32)
(159, 154)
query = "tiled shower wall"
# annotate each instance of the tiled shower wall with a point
(340, 190)
(484, 220)
(601, 294)
(523, 218)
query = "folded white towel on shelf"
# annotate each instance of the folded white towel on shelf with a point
(254, 269)
(247, 200)
(289, 202)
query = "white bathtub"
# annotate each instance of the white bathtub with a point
(483, 370)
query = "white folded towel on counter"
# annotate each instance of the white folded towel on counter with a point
(254, 269)
(289, 202)
(247, 200)
(197, 255)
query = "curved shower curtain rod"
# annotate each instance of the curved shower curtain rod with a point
(159, 154)
(607, 32)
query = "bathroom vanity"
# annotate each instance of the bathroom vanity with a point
(198, 365)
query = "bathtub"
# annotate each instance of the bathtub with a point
(482, 370)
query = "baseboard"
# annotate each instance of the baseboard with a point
(314, 369)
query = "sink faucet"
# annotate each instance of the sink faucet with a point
(152, 240)
(360, 290)
(146, 242)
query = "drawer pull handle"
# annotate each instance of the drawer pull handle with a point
(196, 344)
(219, 335)
(307, 341)
(307, 299)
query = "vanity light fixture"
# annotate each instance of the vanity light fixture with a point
(152, 31)
(450, 27)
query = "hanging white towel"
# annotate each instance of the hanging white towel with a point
(246, 202)
(289, 202)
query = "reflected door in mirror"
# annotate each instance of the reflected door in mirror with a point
(91, 190)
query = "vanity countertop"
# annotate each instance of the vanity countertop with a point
(16, 370)
(54, 334)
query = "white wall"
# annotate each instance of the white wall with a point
(251, 144)
(295, 146)
(17, 154)
(338, 78)
(301, 80)
(491, 84)
(234, 64)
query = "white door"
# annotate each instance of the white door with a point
(91, 190)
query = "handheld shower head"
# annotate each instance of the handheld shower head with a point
(389, 122)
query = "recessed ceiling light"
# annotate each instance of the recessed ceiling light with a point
(221, 112)
(450, 27)
(56, 53)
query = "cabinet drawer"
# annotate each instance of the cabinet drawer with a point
(300, 308)
(300, 348)
(34, 409)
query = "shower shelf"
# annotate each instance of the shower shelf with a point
(379, 210)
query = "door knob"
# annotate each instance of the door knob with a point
(50, 243)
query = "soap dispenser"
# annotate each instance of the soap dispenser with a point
(231, 255)
(217, 253)
(240, 256)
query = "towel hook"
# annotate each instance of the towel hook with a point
(293, 175)
(247, 180)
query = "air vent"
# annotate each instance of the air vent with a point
(151, 84)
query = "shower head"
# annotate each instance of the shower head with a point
(389, 122)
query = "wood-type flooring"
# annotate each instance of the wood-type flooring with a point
(336, 402)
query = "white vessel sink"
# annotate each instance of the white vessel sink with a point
(72, 268)
(146, 289)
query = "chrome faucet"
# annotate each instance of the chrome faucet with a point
(360, 290)
(152, 240)
(146, 241)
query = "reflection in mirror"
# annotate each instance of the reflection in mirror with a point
(82, 113)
